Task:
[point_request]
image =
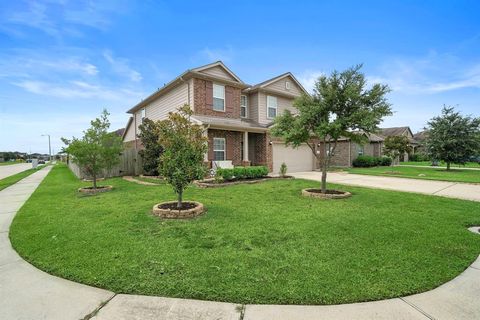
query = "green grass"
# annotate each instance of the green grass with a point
(260, 243)
(454, 175)
(442, 164)
(8, 181)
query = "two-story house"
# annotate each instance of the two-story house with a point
(237, 115)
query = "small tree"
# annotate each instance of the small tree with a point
(340, 106)
(184, 146)
(152, 149)
(453, 138)
(395, 146)
(97, 150)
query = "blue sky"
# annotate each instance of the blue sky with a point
(62, 62)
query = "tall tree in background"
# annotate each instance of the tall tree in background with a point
(184, 146)
(149, 136)
(341, 106)
(453, 138)
(97, 150)
(395, 146)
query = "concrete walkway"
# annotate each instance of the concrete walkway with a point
(28, 293)
(11, 169)
(464, 191)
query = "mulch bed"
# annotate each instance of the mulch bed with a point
(92, 190)
(173, 206)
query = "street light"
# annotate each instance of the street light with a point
(49, 146)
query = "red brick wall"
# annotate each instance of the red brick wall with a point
(202, 100)
(263, 151)
(233, 141)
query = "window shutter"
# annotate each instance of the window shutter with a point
(209, 94)
(229, 99)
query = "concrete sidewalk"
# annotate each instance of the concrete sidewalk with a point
(11, 169)
(464, 191)
(28, 293)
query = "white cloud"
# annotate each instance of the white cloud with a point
(308, 78)
(121, 66)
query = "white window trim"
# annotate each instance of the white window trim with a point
(216, 150)
(213, 97)
(287, 85)
(143, 114)
(268, 107)
(246, 106)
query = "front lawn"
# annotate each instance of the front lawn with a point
(259, 243)
(441, 164)
(454, 175)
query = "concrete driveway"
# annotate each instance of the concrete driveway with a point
(464, 191)
(10, 170)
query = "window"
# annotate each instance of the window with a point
(218, 149)
(142, 115)
(360, 150)
(218, 97)
(287, 85)
(243, 106)
(271, 107)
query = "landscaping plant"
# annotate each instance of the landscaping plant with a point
(184, 146)
(453, 138)
(283, 170)
(98, 150)
(395, 146)
(151, 148)
(341, 106)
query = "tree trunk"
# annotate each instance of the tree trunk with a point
(94, 181)
(448, 166)
(324, 177)
(179, 203)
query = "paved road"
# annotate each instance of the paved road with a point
(10, 170)
(464, 191)
(28, 293)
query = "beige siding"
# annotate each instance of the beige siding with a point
(160, 107)
(282, 104)
(130, 134)
(219, 72)
(190, 96)
(280, 86)
(253, 107)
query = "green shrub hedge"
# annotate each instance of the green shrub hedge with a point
(238, 173)
(369, 161)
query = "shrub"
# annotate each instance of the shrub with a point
(283, 170)
(418, 157)
(369, 161)
(238, 173)
(385, 161)
(364, 162)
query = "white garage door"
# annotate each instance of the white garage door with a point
(296, 159)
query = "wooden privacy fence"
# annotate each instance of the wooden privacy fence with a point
(130, 165)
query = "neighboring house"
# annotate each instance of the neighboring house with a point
(347, 151)
(237, 116)
(420, 138)
(401, 131)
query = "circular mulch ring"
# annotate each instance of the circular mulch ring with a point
(91, 190)
(331, 194)
(169, 210)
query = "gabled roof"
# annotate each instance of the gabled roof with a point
(218, 64)
(120, 132)
(420, 136)
(275, 79)
(130, 120)
(394, 131)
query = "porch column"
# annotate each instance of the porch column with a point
(205, 156)
(245, 148)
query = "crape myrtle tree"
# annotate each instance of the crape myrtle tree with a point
(395, 146)
(453, 138)
(184, 146)
(341, 106)
(98, 150)
(152, 149)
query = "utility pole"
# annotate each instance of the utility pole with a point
(49, 147)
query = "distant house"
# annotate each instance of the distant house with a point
(421, 137)
(401, 131)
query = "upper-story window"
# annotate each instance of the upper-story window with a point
(218, 97)
(243, 106)
(142, 115)
(271, 107)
